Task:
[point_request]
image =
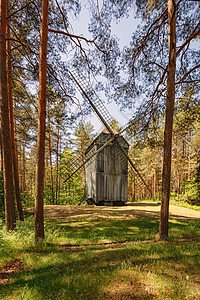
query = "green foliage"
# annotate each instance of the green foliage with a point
(47, 194)
(198, 177)
(72, 190)
(190, 192)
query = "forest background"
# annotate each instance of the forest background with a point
(133, 77)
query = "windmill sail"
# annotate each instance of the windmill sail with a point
(101, 111)
(88, 92)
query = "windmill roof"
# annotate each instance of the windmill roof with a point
(100, 139)
(105, 130)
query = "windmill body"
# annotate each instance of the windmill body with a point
(107, 175)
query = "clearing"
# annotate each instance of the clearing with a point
(106, 252)
(130, 210)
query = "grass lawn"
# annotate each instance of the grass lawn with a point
(102, 255)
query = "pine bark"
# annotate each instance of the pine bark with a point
(1, 151)
(166, 175)
(11, 118)
(59, 175)
(40, 159)
(51, 173)
(10, 219)
(24, 171)
(20, 167)
(57, 163)
(189, 155)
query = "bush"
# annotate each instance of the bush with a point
(191, 195)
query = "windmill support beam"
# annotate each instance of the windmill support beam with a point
(89, 158)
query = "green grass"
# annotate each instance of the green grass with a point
(184, 204)
(84, 259)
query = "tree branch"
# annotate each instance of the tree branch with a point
(20, 9)
(185, 75)
(189, 81)
(77, 37)
(188, 41)
(61, 87)
(71, 35)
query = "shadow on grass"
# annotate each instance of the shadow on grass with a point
(103, 230)
(103, 271)
(143, 204)
(106, 230)
(107, 274)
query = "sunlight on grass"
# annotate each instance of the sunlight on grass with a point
(102, 258)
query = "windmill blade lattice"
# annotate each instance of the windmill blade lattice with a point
(77, 164)
(88, 93)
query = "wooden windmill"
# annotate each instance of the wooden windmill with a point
(107, 174)
(107, 157)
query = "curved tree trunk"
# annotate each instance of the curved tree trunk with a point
(10, 219)
(166, 175)
(40, 163)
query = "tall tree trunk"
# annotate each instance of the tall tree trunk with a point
(189, 155)
(154, 183)
(59, 170)
(183, 164)
(40, 163)
(51, 173)
(1, 150)
(166, 175)
(24, 171)
(133, 187)
(10, 101)
(10, 219)
(57, 164)
(20, 167)
(175, 186)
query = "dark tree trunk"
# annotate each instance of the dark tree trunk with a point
(14, 160)
(40, 162)
(10, 219)
(166, 175)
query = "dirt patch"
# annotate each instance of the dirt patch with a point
(149, 209)
(11, 268)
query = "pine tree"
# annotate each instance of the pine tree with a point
(39, 177)
(166, 175)
(10, 219)
(11, 118)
